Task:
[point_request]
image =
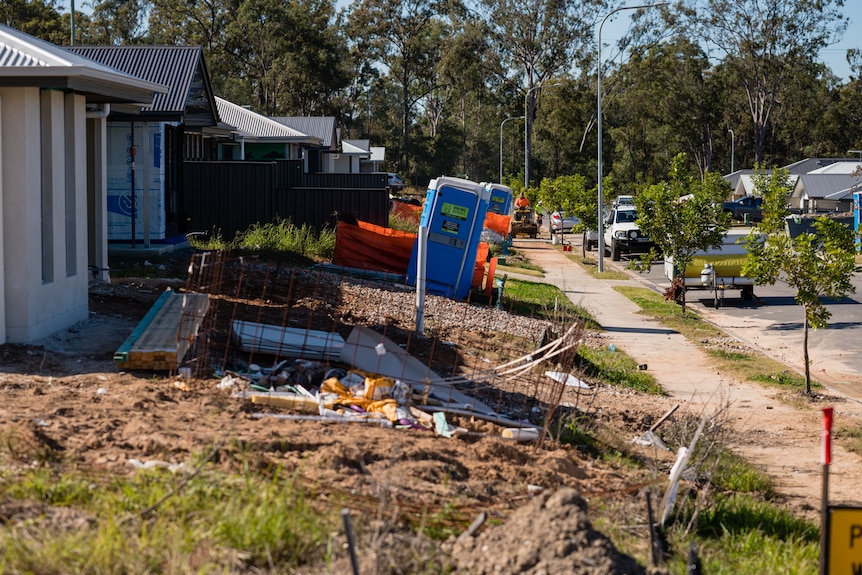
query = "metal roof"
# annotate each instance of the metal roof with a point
(827, 186)
(358, 147)
(808, 165)
(180, 68)
(27, 61)
(251, 125)
(321, 127)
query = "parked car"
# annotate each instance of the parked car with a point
(622, 234)
(395, 182)
(749, 205)
(559, 221)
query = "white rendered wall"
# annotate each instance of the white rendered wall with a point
(41, 299)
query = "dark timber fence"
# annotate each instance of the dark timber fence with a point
(229, 197)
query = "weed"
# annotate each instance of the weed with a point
(615, 368)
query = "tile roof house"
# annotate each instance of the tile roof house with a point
(181, 124)
(53, 180)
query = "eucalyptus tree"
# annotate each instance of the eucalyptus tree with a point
(664, 99)
(285, 56)
(539, 39)
(119, 22)
(761, 40)
(403, 37)
(39, 18)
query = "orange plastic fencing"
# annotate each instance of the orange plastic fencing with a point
(406, 211)
(498, 223)
(370, 247)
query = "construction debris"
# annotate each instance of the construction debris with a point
(163, 337)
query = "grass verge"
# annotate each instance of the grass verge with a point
(742, 364)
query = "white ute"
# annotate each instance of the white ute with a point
(622, 234)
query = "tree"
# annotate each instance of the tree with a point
(404, 37)
(286, 55)
(682, 215)
(817, 265)
(568, 194)
(761, 39)
(538, 39)
(664, 100)
(118, 22)
(39, 18)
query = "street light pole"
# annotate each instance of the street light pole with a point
(599, 123)
(732, 148)
(500, 181)
(527, 130)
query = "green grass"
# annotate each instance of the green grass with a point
(615, 368)
(745, 366)
(219, 522)
(850, 438)
(537, 299)
(591, 265)
(275, 239)
(743, 534)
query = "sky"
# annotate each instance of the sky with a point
(834, 56)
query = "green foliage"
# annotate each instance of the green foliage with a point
(538, 299)
(615, 368)
(570, 194)
(816, 265)
(733, 473)
(682, 215)
(273, 239)
(783, 379)
(738, 533)
(262, 523)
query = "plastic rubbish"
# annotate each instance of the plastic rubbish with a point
(612, 348)
(522, 434)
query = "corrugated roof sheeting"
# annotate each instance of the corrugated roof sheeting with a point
(10, 57)
(822, 186)
(254, 125)
(173, 66)
(321, 127)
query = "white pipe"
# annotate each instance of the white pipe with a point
(104, 110)
(421, 250)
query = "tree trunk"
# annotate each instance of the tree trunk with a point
(805, 354)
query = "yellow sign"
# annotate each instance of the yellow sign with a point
(845, 541)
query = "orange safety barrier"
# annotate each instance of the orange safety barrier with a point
(370, 247)
(406, 211)
(498, 223)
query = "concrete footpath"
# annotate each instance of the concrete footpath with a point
(680, 366)
(782, 439)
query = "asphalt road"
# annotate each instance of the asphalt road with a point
(773, 322)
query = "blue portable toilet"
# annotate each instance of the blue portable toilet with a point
(500, 200)
(857, 215)
(452, 217)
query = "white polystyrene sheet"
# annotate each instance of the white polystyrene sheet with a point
(287, 341)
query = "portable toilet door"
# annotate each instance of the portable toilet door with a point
(857, 215)
(500, 199)
(452, 217)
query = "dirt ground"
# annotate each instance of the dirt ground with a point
(69, 397)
